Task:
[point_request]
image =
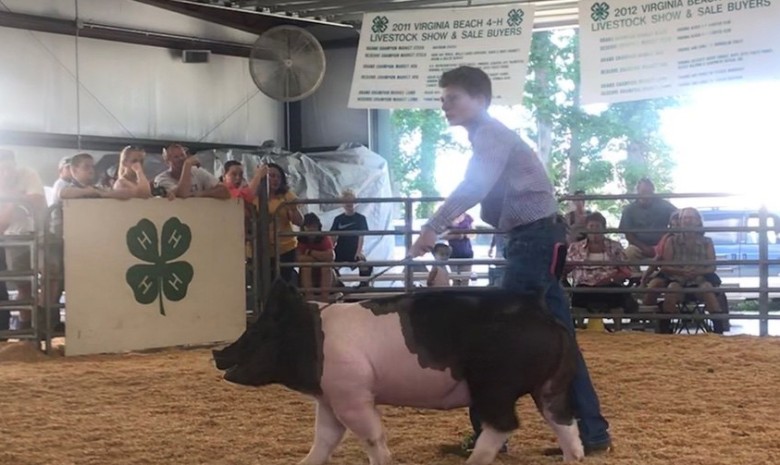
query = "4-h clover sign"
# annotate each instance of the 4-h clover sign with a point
(515, 17)
(379, 24)
(160, 276)
(600, 11)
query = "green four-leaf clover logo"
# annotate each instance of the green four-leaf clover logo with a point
(515, 17)
(379, 24)
(160, 276)
(599, 11)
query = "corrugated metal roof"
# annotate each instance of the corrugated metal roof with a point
(339, 20)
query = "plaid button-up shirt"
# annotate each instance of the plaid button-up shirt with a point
(505, 175)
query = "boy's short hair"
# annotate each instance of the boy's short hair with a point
(311, 219)
(78, 159)
(473, 80)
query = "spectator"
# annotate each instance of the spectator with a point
(237, 185)
(576, 219)
(597, 248)
(277, 193)
(20, 182)
(315, 249)
(460, 246)
(185, 178)
(647, 212)
(650, 272)
(82, 184)
(350, 248)
(689, 246)
(131, 177)
(63, 172)
(440, 274)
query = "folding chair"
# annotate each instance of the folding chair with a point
(690, 305)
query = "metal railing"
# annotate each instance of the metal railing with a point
(260, 271)
(31, 241)
(763, 262)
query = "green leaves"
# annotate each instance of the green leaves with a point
(142, 241)
(160, 276)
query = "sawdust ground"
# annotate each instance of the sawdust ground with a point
(670, 399)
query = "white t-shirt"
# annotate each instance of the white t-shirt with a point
(201, 180)
(27, 182)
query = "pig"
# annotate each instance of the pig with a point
(437, 349)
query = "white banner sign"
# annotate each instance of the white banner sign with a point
(633, 50)
(402, 54)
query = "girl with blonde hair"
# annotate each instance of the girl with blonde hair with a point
(130, 176)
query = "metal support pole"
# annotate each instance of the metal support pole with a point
(264, 254)
(763, 272)
(408, 226)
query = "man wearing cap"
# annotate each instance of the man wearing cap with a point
(517, 198)
(63, 179)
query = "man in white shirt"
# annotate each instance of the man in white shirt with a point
(185, 178)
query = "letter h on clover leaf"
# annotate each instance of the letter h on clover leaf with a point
(160, 277)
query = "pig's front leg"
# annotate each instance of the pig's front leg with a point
(363, 419)
(328, 432)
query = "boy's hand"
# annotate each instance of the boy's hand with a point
(424, 243)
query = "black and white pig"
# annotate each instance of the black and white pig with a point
(430, 349)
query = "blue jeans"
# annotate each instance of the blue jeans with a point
(529, 252)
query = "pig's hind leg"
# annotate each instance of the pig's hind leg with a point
(363, 419)
(328, 432)
(495, 403)
(555, 406)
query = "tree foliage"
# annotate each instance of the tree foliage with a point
(573, 141)
(418, 135)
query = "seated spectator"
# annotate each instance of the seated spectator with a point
(315, 249)
(597, 248)
(185, 178)
(277, 193)
(23, 183)
(576, 219)
(440, 274)
(689, 246)
(130, 176)
(460, 246)
(350, 248)
(650, 272)
(647, 212)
